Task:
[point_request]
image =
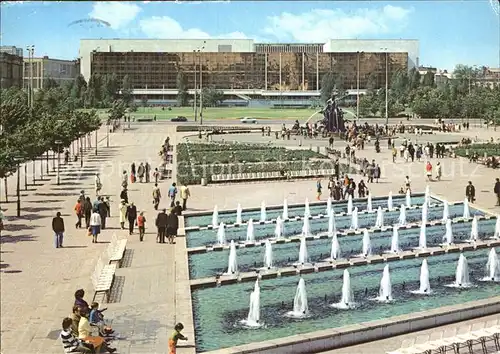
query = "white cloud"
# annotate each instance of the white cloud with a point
(117, 14)
(319, 25)
(166, 27)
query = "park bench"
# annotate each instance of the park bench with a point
(116, 250)
(103, 277)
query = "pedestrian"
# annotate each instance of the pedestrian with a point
(428, 169)
(98, 184)
(394, 154)
(123, 213)
(172, 193)
(141, 225)
(185, 194)
(177, 209)
(107, 201)
(161, 225)
(156, 175)
(102, 209)
(95, 225)
(176, 335)
(156, 196)
(124, 179)
(131, 217)
(470, 192)
(140, 172)
(87, 211)
(439, 171)
(58, 228)
(147, 171)
(318, 189)
(172, 226)
(496, 190)
(124, 195)
(132, 172)
(79, 213)
(1, 221)
(376, 173)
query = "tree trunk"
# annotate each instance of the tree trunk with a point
(6, 191)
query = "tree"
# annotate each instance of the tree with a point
(371, 82)
(428, 79)
(328, 83)
(126, 91)
(182, 88)
(212, 97)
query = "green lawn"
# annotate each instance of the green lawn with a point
(220, 113)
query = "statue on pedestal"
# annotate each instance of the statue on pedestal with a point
(333, 116)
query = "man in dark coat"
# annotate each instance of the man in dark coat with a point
(470, 192)
(58, 228)
(131, 215)
(172, 225)
(161, 225)
(497, 190)
(102, 209)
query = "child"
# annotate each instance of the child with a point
(96, 318)
(172, 341)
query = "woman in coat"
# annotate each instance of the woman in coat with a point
(123, 213)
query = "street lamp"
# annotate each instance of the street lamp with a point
(80, 148)
(18, 187)
(201, 83)
(357, 85)
(31, 52)
(96, 142)
(58, 143)
(107, 133)
(386, 85)
(197, 50)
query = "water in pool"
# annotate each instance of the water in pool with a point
(229, 217)
(218, 319)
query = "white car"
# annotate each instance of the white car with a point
(248, 120)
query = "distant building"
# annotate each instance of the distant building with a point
(11, 67)
(45, 68)
(489, 76)
(242, 69)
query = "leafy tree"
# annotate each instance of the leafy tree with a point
(371, 82)
(328, 83)
(182, 88)
(212, 97)
(144, 101)
(428, 79)
(126, 91)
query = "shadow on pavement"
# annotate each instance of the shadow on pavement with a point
(46, 201)
(55, 194)
(18, 227)
(16, 239)
(37, 209)
(30, 216)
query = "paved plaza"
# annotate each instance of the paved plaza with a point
(151, 291)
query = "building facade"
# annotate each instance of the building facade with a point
(244, 67)
(40, 70)
(11, 69)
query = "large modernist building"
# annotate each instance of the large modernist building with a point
(40, 70)
(242, 68)
(11, 67)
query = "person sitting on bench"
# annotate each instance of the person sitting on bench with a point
(70, 343)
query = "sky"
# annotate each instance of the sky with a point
(450, 32)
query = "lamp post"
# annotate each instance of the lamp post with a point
(18, 187)
(107, 133)
(58, 143)
(386, 85)
(357, 86)
(195, 107)
(96, 142)
(31, 52)
(80, 147)
(201, 82)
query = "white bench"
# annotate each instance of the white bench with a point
(116, 249)
(103, 278)
(463, 337)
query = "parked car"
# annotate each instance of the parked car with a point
(179, 119)
(248, 120)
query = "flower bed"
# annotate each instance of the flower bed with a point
(195, 161)
(491, 149)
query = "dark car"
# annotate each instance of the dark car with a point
(179, 119)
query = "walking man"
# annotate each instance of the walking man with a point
(185, 194)
(141, 224)
(131, 216)
(79, 213)
(497, 190)
(98, 184)
(161, 224)
(58, 228)
(156, 196)
(172, 193)
(172, 225)
(470, 192)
